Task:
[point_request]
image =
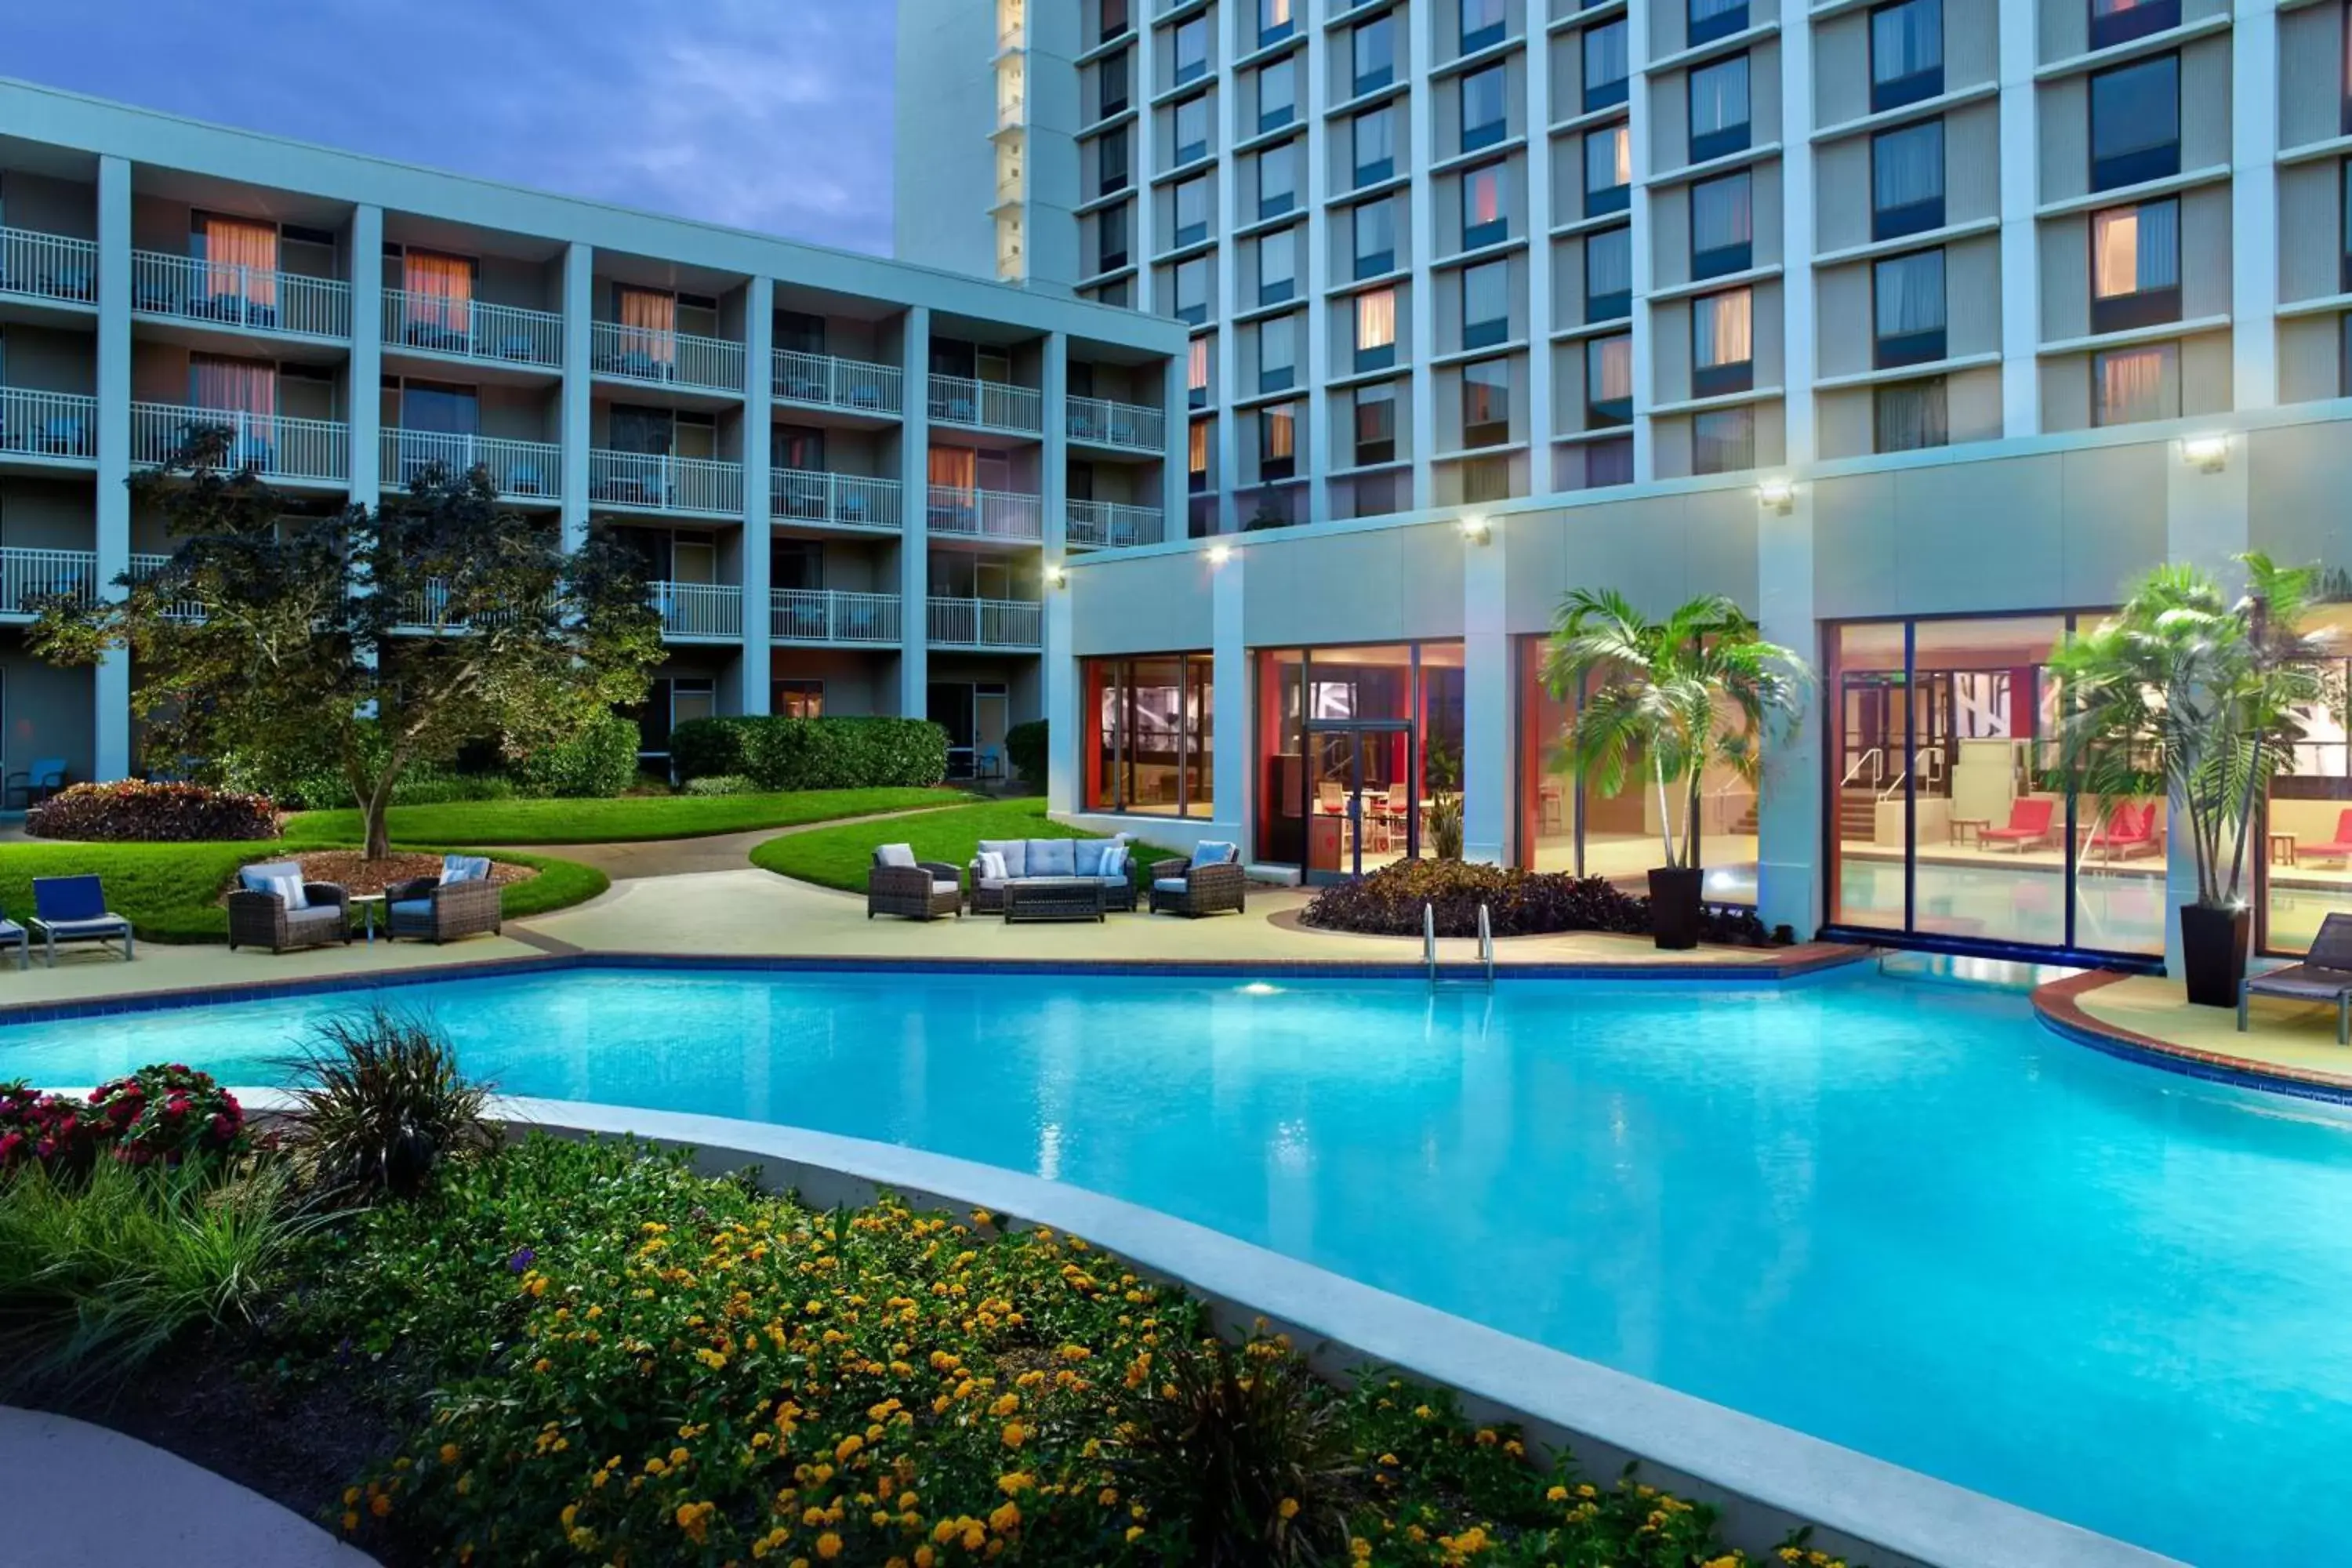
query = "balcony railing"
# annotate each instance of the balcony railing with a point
(145, 566)
(987, 623)
(29, 577)
(699, 611)
(189, 289)
(1095, 524)
(36, 424)
(522, 471)
(1125, 425)
(647, 481)
(47, 267)
(985, 514)
(271, 445)
(820, 616)
(472, 328)
(665, 358)
(825, 382)
(988, 405)
(844, 501)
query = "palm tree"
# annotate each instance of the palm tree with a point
(1699, 688)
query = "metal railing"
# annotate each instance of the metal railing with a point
(473, 329)
(47, 266)
(28, 576)
(664, 358)
(831, 382)
(651, 481)
(985, 514)
(522, 471)
(844, 501)
(1109, 524)
(987, 623)
(145, 566)
(190, 289)
(1126, 425)
(37, 424)
(272, 445)
(699, 610)
(829, 616)
(988, 405)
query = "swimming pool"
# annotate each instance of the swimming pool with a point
(1901, 1217)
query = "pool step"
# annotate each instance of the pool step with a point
(1977, 973)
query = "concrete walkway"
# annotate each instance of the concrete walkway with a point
(687, 856)
(78, 1496)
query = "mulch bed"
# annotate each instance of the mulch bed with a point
(357, 874)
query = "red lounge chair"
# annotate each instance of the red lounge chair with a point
(2131, 830)
(2029, 825)
(2340, 850)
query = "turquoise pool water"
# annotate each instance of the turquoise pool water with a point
(1902, 1217)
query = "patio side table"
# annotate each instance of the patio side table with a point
(368, 903)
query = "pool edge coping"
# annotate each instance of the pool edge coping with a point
(2057, 1005)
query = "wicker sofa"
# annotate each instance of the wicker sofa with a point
(1210, 883)
(461, 901)
(1054, 859)
(262, 910)
(898, 884)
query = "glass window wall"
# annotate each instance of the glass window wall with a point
(1360, 754)
(1146, 748)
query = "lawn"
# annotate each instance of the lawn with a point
(625, 820)
(838, 857)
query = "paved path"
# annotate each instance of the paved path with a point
(685, 856)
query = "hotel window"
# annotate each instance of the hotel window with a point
(1482, 23)
(1906, 53)
(1196, 373)
(1712, 19)
(1277, 266)
(1148, 747)
(1909, 313)
(1723, 343)
(1277, 442)
(1374, 134)
(1273, 21)
(2131, 385)
(1114, 21)
(1277, 354)
(1718, 109)
(1604, 65)
(1112, 84)
(438, 299)
(1277, 94)
(1609, 382)
(1608, 462)
(1110, 238)
(1192, 290)
(1608, 170)
(1375, 424)
(1192, 53)
(796, 698)
(1723, 440)
(1485, 108)
(1906, 180)
(1484, 221)
(1110, 161)
(1487, 478)
(1191, 199)
(1487, 403)
(648, 322)
(1376, 329)
(1191, 131)
(242, 258)
(1609, 274)
(1911, 415)
(1486, 305)
(2135, 266)
(1375, 224)
(2119, 21)
(1196, 455)
(2344, 199)
(1277, 180)
(1722, 225)
(2135, 123)
(1373, 47)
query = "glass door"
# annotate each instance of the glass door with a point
(1362, 805)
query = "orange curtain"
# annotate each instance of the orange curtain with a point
(1376, 319)
(242, 258)
(649, 319)
(233, 385)
(440, 290)
(1281, 434)
(955, 467)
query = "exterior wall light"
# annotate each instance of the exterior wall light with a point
(1056, 577)
(1220, 554)
(1476, 530)
(2207, 454)
(1777, 494)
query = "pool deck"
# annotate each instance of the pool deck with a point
(2291, 1047)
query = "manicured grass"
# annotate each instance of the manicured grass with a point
(838, 857)
(625, 820)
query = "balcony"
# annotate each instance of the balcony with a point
(699, 612)
(818, 616)
(30, 576)
(50, 427)
(839, 501)
(988, 624)
(1126, 426)
(985, 514)
(472, 329)
(822, 381)
(255, 298)
(1107, 525)
(653, 357)
(48, 268)
(522, 471)
(314, 451)
(145, 566)
(652, 481)
(988, 405)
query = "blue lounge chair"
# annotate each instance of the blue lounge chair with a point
(73, 908)
(44, 778)
(13, 935)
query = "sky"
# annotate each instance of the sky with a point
(766, 114)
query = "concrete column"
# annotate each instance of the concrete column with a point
(1233, 743)
(578, 309)
(1487, 688)
(2206, 526)
(1061, 697)
(1319, 441)
(2021, 257)
(1173, 475)
(1637, 148)
(758, 340)
(110, 693)
(1788, 815)
(2253, 203)
(366, 402)
(1543, 420)
(914, 511)
(1800, 347)
(1053, 490)
(1421, 244)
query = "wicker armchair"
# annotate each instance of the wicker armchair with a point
(922, 892)
(262, 919)
(1205, 889)
(430, 910)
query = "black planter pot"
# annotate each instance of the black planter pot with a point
(1674, 905)
(2213, 953)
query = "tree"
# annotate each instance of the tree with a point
(368, 641)
(1700, 688)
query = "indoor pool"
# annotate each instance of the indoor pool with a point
(1901, 1217)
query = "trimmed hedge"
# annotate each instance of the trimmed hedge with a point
(132, 811)
(598, 763)
(1389, 901)
(781, 753)
(1025, 746)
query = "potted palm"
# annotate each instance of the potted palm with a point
(2191, 692)
(1699, 688)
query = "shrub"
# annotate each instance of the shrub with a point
(599, 763)
(379, 1104)
(132, 811)
(1024, 747)
(1389, 901)
(721, 784)
(781, 753)
(160, 1115)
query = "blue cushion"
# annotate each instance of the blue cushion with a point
(256, 878)
(1211, 852)
(1170, 885)
(1085, 855)
(464, 867)
(1016, 852)
(412, 908)
(1051, 858)
(68, 898)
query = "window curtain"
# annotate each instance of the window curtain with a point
(1608, 160)
(1913, 416)
(1604, 55)
(648, 323)
(439, 290)
(242, 386)
(1609, 262)
(1376, 319)
(1482, 100)
(1196, 366)
(1707, 10)
(1196, 448)
(1281, 436)
(2136, 384)
(955, 467)
(1375, 230)
(1487, 196)
(1375, 416)
(1273, 13)
(1723, 440)
(1722, 214)
(1191, 203)
(1274, 348)
(1486, 395)
(1721, 332)
(2134, 250)
(1718, 96)
(242, 258)
(1486, 294)
(1911, 294)
(1609, 374)
(1907, 166)
(1375, 138)
(2159, 245)
(1906, 39)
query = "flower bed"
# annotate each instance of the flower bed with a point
(1389, 903)
(131, 811)
(164, 1115)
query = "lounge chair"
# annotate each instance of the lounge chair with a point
(13, 935)
(461, 901)
(2341, 850)
(898, 884)
(274, 907)
(2029, 825)
(44, 778)
(73, 908)
(2128, 830)
(2324, 975)
(1210, 883)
